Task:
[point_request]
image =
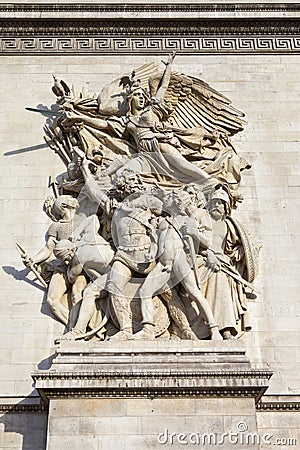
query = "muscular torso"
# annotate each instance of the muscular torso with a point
(130, 232)
(131, 222)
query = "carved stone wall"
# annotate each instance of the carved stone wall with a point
(257, 67)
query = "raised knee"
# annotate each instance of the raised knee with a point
(52, 302)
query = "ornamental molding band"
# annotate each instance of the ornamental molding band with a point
(158, 7)
(278, 406)
(24, 409)
(145, 45)
(104, 29)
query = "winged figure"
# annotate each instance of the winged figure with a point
(165, 125)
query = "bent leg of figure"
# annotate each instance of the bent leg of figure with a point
(178, 314)
(189, 283)
(86, 308)
(95, 259)
(176, 160)
(58, 286)
(155, 280)
(75, 297)
(119, 276)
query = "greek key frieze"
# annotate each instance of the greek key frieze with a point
(184, 45)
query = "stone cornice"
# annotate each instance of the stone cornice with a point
(107, 369)
(47, 394)
(144, 28)
(150, 7)
(141, 27)
(127, 374)
(23, 409)
(262, 405)
(278, 406)
(152, 383)
(43, 407)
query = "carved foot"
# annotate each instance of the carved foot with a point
(174, 337)
(123, 335)
(70, 336)
(227, 335)
(147, 333)
(215, 335)
(189, 335)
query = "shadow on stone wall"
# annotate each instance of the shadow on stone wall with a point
(46, 363)
(24, 424)
(21, 275)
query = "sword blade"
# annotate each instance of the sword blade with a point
(45, 112)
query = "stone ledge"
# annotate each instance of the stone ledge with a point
(147, 10)
(155, 355)
(24, 409)
(106, 28)
(279, 403)
(138, 369)
(24, 405)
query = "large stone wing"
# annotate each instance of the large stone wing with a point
(112, 99)
(196, 103)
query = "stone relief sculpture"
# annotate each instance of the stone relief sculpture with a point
(143, 243)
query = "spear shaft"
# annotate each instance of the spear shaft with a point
(30, 265)
(238, 278)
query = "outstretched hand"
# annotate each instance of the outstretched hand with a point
(27, 261)
(212, 261)
(170, 59)
(84, 163)
(71, 115)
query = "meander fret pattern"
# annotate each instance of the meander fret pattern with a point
(147, 45)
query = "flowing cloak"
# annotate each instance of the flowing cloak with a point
(225, 295)
(219, 160)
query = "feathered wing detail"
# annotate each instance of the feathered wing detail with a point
(195, 103)
(112, 99)
(65, 87)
